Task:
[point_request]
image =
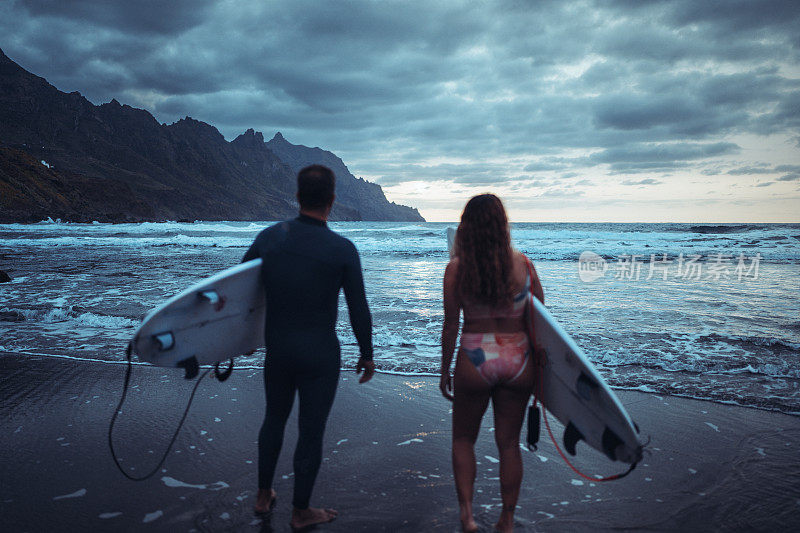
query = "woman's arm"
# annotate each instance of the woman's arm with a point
(452, 309)
(536, 285)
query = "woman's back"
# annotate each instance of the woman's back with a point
(503, 318)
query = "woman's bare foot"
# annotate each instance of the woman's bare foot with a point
(506, 523)
(265, 500)
(468, 524)
(303, 518)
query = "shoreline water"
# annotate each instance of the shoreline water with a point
(643, 389)
(709, 466)
(727, 340)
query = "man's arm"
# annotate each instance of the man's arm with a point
(360, 317)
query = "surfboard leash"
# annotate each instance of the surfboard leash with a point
(119, 407)
(574, 469)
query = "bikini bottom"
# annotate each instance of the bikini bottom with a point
(499, 357)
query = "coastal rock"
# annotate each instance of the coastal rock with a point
(4, 278)
(356, 194)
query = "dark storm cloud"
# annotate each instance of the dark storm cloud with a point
(733, 16)
(135, 16)
(546, 88)
(747, 171)
(662, 155)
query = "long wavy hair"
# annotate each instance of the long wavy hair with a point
(483, 248)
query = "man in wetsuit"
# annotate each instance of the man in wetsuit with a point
(305, 264)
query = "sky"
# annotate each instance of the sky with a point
(626, 110)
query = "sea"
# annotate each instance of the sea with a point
(707, 311)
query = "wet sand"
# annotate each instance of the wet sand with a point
(386, 465)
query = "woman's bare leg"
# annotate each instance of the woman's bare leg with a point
(265, 500)
(509, 402)
(471, 397)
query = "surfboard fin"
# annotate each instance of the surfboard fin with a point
(610, 443)
(213, 298)
(222, 376)
(165, 340)
(571, 438)
(191, 366)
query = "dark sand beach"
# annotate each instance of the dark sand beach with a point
(711, 467)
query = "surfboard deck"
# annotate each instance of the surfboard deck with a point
(569, 386)
(216, 319)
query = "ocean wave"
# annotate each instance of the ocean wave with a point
(726, 228)
(541, 242)
(749, 342)
(346, 228)
(75, 314)
(178, 240)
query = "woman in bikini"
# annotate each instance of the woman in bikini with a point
(489, 281)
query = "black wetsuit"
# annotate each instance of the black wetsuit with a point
(305, 266)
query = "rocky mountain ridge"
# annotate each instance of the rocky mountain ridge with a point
(63, 157)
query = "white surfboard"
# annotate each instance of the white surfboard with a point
(216, 319)
(576, 394)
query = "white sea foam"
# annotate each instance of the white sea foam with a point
(174, 483)
(407, 442)
(70, 314)
(77, 494)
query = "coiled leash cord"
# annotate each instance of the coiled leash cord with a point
(119, 407)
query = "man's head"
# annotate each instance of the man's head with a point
(315, 188)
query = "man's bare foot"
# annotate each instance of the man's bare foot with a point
(265, 500)
(303, 518)
(468, 524)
